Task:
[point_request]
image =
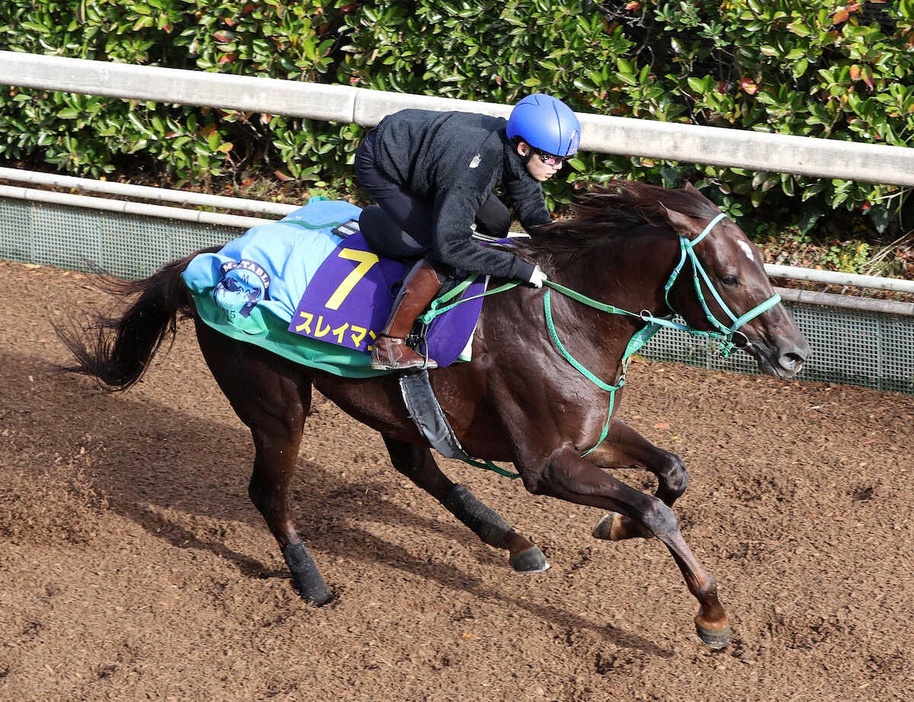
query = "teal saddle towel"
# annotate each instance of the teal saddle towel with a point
(310, 289)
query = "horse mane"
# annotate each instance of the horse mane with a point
(609, 211)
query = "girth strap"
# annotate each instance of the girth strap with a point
(426, 413)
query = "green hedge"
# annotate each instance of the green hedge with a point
(820, 69)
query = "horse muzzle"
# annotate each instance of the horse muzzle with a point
(784, 360)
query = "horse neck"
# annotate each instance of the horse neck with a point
(629, 275)
(629, 271)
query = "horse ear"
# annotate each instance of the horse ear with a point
(682, 224)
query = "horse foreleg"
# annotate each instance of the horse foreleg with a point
(569, 477)
(417, 463)
(622, 448)
(493, 530)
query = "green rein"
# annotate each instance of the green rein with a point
(722, 334)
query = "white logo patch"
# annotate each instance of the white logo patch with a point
(477, 159)
(747, 250)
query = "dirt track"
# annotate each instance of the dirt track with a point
(132, 565)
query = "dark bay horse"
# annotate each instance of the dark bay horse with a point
(542, 388)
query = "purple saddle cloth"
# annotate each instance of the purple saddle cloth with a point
(313, 274)
(349, 299)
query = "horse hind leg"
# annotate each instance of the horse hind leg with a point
(276, 453)
(272, 398)
(274, 466)
(417, 464)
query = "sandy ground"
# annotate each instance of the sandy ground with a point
(132, 565)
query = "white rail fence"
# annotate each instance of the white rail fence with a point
(777, 153)
(604, 134)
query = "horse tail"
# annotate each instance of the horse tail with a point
(116, 351)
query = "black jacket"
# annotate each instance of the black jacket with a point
(455, 160)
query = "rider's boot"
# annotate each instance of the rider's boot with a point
(391, 352)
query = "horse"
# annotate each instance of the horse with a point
(541, 395)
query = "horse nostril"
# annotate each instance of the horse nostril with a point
(792, 361)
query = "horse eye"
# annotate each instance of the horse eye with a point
(730, 281)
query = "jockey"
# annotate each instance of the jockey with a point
(432, 175)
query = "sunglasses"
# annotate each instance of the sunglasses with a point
(549, 159)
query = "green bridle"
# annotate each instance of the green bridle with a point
(721, 333)
(724, 334)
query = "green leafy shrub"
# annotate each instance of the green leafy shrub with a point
(835, 70)
(95, 136)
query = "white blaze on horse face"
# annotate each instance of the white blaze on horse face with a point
(747, 249)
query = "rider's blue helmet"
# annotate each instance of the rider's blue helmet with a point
(547, 124)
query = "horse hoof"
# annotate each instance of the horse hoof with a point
(603, 529)
(315, 592)
(714, 639)
(615, 527)
(319, 598)
(306, 577)
(533, 560)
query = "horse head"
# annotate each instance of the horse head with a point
(720, 286)
(665, 251)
